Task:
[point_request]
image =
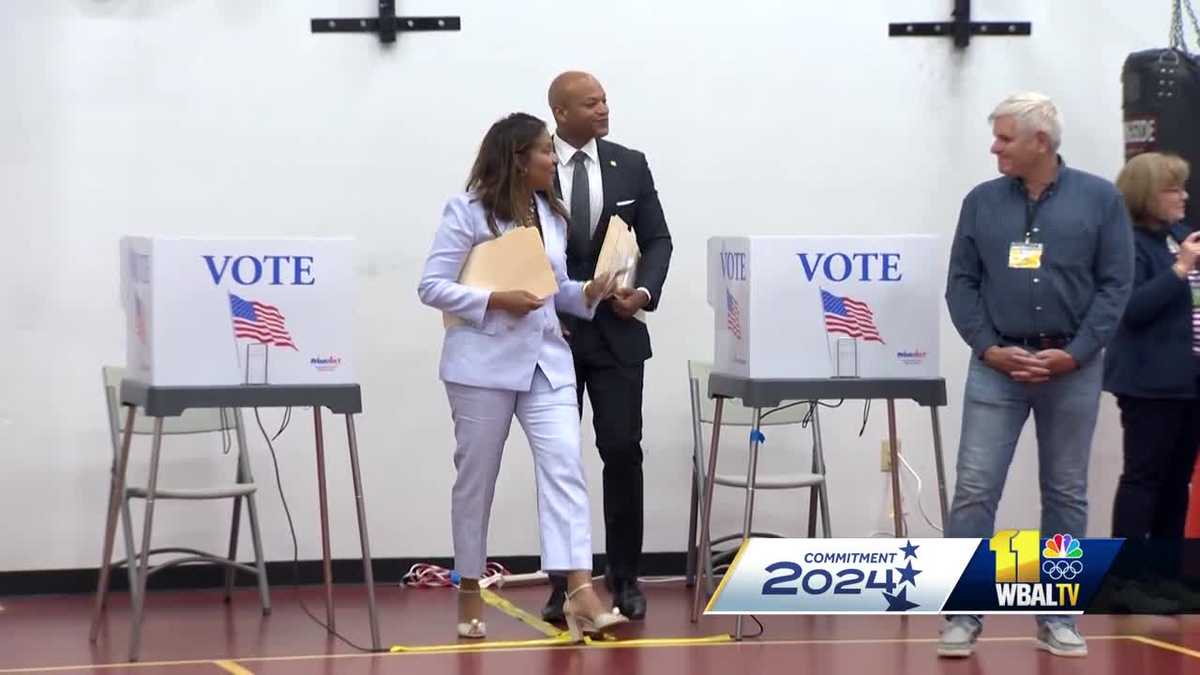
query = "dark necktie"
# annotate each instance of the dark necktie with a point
(581, 205)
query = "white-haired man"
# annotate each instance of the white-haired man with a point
(1040, 270)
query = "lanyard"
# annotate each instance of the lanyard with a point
(1032, 206)
(1031, 211)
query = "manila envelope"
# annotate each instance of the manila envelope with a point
(619, 253)
(516, 260)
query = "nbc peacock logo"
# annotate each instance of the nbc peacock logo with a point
(1030, 574)
(1062, 558)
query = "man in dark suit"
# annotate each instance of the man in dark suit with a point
(597, 180)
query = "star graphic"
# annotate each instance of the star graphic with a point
(910, 551)
(899, 602)
(908, 574)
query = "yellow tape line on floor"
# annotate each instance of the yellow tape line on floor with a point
(660, 642)
(1169, 646)
(499, 602)
(554, 635)
(479, 645)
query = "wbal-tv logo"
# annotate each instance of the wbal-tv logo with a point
(1028, 575)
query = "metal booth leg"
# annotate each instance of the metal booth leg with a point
(139, 598)
(323, 499)
(894, 453)
(704, 571)
(361, 508)
(748, 515)
(116, 497)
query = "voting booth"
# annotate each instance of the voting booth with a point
(812, 318)
(227, 311)
(825, 306)
(231, 323)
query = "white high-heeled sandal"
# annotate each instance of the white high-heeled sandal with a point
(474, 629)
(578, 624)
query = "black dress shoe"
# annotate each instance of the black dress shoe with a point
(553, 611)
(630, 600)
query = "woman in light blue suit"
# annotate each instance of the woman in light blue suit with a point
(508, 357)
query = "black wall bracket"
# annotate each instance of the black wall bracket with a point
(387, 24)
(961, 28)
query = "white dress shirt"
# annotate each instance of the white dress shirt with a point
(566, 176)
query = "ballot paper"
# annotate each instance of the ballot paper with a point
(514, 261)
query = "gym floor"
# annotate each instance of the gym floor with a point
(196, 632)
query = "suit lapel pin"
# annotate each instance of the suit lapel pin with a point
(612, 163)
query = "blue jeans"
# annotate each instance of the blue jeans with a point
(995, 409)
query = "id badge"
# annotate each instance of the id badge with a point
(1025, 255)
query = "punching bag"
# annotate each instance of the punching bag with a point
(1162, 111)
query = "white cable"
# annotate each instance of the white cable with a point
(526, 579)
(920, 504)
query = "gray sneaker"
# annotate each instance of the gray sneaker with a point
(1061, 639)
(958, 637)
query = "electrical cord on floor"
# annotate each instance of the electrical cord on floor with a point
(761, 628)
(295, 544)
(427, 575)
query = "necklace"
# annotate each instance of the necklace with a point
(529, 218)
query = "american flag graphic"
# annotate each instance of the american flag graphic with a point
(259, 321)
(733, 315)
(849, 317)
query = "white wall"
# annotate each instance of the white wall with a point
(229, 117)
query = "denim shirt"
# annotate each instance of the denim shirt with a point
(1086, 270)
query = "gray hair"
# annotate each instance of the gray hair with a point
(1033, 112)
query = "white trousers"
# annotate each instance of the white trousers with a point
(550, 419)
